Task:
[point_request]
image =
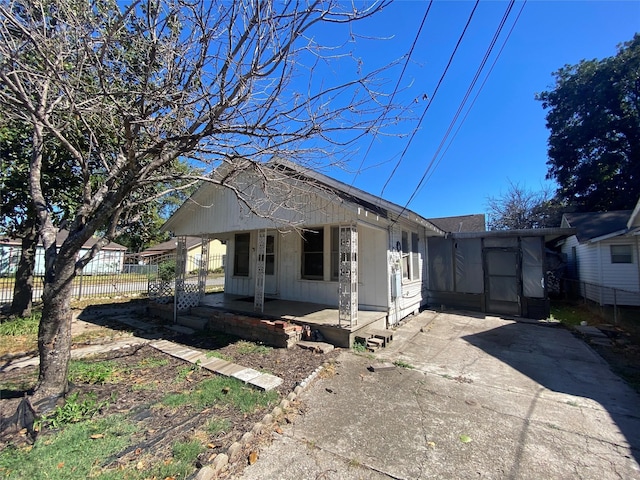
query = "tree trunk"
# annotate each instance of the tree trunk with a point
(54, 340)
(23, 287)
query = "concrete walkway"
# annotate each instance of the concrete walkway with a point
(479, 397)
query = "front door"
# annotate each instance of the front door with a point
(502, 267)
(271, 266)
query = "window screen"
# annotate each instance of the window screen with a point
(313, 255)
(621, 254)
(241, 255)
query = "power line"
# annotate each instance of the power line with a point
(461, 107)
(476, 95)
(395, 90)
(415, 130)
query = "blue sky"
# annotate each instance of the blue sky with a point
(504, 138)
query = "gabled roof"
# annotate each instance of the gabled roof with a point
(340, 191)
(461, 223)
(170, 246)
(61, 236)
(354, 195)
(593, 225)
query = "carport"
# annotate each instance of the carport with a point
(499, 272)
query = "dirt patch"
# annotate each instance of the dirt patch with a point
(145, 376)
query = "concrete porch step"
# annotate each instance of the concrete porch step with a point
(374, 338)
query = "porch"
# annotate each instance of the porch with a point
(323, 318)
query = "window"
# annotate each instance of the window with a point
(241, 255)
(621, 254)
(270, 258)
(406, 253)
(313, 255)
(410, 257)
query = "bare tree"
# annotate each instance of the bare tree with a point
(520, 208)
(129, 90)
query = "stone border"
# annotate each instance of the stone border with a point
(268, 422)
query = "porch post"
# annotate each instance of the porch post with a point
(181, 263)
(203, 269)
(258, 296)
(348, 276)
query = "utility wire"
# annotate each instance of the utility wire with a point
(428, 170)
(476, 95)
(415, 130)
(395, 90)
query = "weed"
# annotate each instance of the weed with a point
(224, 391)
(81, 371)
(216, 426)
(74, 410)
(21, 325)
(359, 347)
(74, 452)
(403, 364)
(219, 355)
(187, 370)
(152, 362)
(354, 462)
(187, 452)
(245, 348)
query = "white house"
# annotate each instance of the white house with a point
(603, 255)
(109, 260)
(323, 242)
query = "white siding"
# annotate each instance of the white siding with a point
(595, 267)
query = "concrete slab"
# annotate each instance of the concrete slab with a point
(214, 364)
(266, 382)
(230, 369)
(487, 398)
(246, 374)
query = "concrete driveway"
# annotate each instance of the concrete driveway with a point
(486, 398)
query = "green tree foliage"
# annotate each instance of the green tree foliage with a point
(594, 122)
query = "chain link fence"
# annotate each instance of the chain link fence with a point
(614, 304)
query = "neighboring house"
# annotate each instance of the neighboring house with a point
(402, 261)
(109, 260)
(604, 252)
(217, 252)
(461, 223)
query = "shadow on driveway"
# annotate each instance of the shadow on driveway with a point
(560, 363)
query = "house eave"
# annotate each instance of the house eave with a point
(549, 234)
(608, 236)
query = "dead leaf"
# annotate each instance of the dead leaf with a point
(211, 445)
(278, 430)
(60, 465)
(140, 465)
(168, 461)
(138, 451)
(253, 457)
(225, 390)
(96, 436)
(431, 444)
